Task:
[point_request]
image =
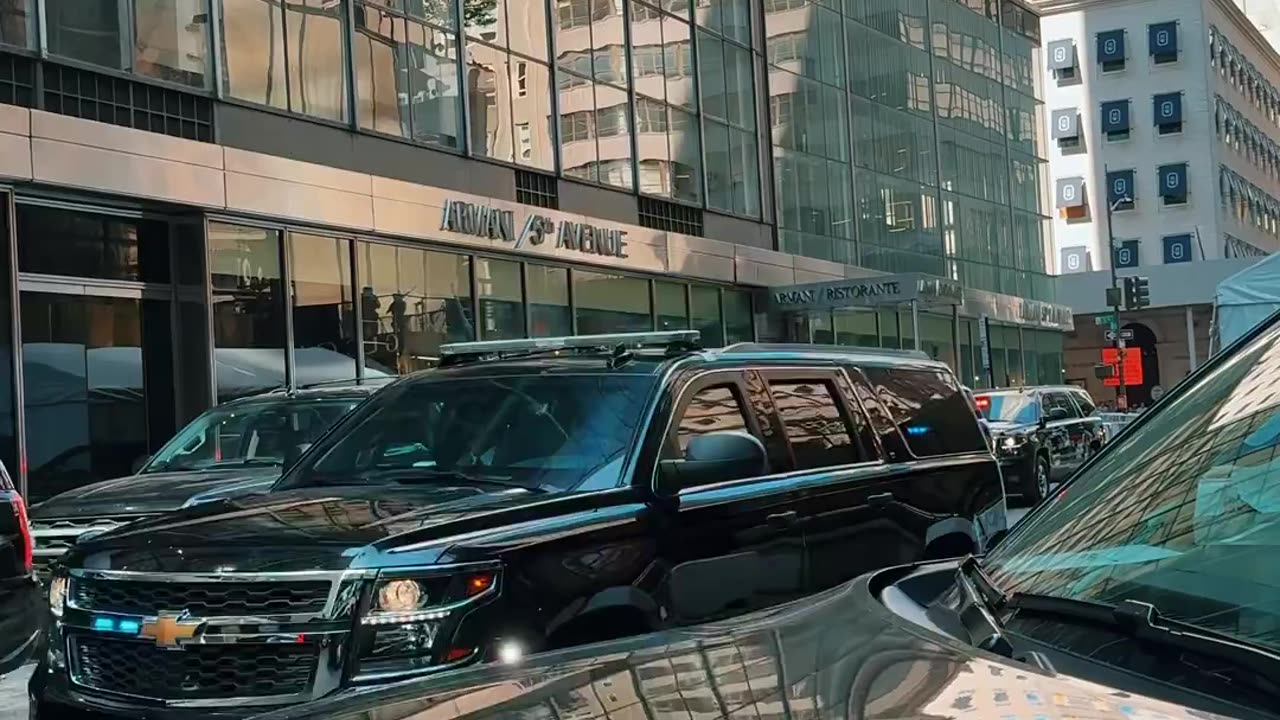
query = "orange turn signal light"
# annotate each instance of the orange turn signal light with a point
(479, 583)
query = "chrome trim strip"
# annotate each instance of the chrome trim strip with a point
(197, 577)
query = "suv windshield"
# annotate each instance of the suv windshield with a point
(1180, 513)
(534, 431)
(1010, 407)
(260, 432)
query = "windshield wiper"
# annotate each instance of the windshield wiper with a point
(1142, 621)
(981, 602)
(410, 475)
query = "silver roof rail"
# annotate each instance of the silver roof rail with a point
(751, 347)
(453, 353)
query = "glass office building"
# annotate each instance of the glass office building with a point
(204, 199)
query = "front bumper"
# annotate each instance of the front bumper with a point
(1017, 469)
(52, 697)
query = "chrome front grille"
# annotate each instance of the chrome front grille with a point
(220, 599)
(53, 538)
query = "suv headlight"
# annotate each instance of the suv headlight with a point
(1012, 443)
(58, 594)
(413, 614)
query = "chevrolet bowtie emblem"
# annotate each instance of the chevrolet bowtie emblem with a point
(169, 630)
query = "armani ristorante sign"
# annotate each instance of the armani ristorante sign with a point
(534, 229)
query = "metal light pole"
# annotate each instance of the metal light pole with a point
(1122, 397)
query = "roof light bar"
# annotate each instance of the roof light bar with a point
(689, 337)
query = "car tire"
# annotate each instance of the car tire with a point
(1037, 483)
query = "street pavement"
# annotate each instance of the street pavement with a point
(13, 688)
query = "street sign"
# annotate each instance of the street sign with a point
(1106, 319)
(1113, 335)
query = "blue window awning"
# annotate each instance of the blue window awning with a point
(1121, 185)
(1173, 182)
(1115, 116)
(1167, 108)
(1111, 46)
(1162, 40)
(1127, 254)
(1177, 248)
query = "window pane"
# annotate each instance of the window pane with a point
(856, 327)
(705, 303)
(731, 18)
(170, 44)
(672, 308)
(501, 303)
(382, 71)
(738, 320)
(252, 39)
(614, 132)
(686, 157)
(610, 303)
(531, 114)
(248, 309)
(526, 27)
(489, 93)
(18, 23)
(548, 289)
(324, 336)
(317, 79)
(816, 428)
(932, 413)
(714, 409)
(434, 101)
(88, 31)
(81, 244)
(412, 302)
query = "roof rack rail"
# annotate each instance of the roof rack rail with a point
(672, 341)
(752, 347)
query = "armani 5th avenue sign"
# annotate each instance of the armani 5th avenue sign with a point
(493, 223)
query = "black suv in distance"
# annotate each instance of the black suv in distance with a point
(238, 447)
(525, 495)
(21, 605)
(1041, 435)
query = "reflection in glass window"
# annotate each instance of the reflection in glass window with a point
(252, 37)
(382, 71)
(715, 409)
(670, 305)
(169, 44)
(88, 31)
(82, 244)
(739, 323)
(324, 336)
(248, 309)
(857, 327)
(705, 301)
(731, 18)
(517, 25)
(317, 79)
(816, 428)
(929, 409)
(610, 303)
(510, 107)
(18, 24)
(412, 301)
(547, 289)
(501, 303)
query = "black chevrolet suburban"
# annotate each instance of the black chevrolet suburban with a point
(238, 447)
(526, 495)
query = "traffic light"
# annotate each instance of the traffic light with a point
(1137, 293)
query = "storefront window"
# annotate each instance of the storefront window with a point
(248, 310)
(969, 368)
(324, 337)
(739, 322)
(610, 303)
(821, 329)
(857, 327)
(1013, 352)
(18, 26)
(501, 300)
(8, 397)
(87, 245)
(163, 42)
(935, 338)
(548, 293)
(707, 318)
(889, 337)
(671, 305)
(412, 301)
(1049, 346)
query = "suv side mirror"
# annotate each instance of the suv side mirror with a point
(713, 458)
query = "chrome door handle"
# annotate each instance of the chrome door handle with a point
(881, 499)
(783, 519)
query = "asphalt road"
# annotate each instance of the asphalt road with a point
(13, 688)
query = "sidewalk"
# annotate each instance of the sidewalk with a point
(13, 694)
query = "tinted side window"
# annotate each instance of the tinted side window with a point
(1085, 402)
(818, 431)
(930, 410)
(1058, 400)
(713, 409)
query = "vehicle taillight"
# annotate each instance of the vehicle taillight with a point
(24, 527)
(983, 402)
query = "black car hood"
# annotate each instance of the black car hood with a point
(309, 529)
(840, 654)
(150, 493)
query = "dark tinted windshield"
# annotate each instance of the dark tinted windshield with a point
(1009, 407)
(1181, 512)
(536, 431)
(264, 432)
